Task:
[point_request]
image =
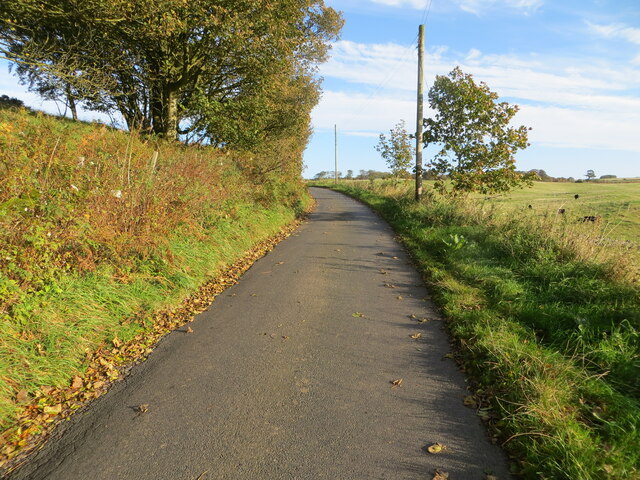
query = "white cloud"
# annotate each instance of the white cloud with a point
(571, 128)
(473, 54)
(476, 7)
(417, 4)
(617, 30)
(479, 7)
(570, 103)
(362, 114)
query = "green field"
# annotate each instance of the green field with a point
(617, 204)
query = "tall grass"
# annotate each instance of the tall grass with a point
(547, 320)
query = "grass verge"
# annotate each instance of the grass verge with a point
(104, 237)
(548, 330)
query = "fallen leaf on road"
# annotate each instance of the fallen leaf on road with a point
(357, 314)
(448, 355)
(416, 336)
(338, 250)
(440, 475)
(490, 477)
(436, 448)
(397, 382)
(143, 408)
(383, 272)
(279, 263)
(413, 316)
(396, 258)
(399, 297)
(189, 330)
(389, 285)
(285, 337)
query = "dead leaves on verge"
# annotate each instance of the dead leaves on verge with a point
(48, 406)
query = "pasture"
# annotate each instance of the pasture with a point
(615, 204)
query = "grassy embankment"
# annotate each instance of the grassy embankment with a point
(96, 233)
(545, 310)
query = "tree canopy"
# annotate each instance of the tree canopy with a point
(477, 145)
(226, 71)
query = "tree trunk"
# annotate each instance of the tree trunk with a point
(72, 103)
(171, 114)
(164, 111)
(155, 106)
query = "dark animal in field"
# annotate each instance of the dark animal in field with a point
(530, 206)
(590, 218)
(576, 196)
(561, 210)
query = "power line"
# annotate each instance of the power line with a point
(409, 52)
(425, 13)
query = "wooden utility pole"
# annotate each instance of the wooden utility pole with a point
(420, 114)
(335, 135)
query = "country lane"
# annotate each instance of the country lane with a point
(289, 376)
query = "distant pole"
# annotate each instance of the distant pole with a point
(420, 114)
(335, 136)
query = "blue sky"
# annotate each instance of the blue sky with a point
(572, 66)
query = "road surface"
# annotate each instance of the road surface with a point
(288, 376)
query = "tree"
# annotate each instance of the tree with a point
(477, 145)
(397, 150)
(171, 64)
(590, 175)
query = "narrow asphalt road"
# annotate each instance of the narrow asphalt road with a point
(279, 379)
